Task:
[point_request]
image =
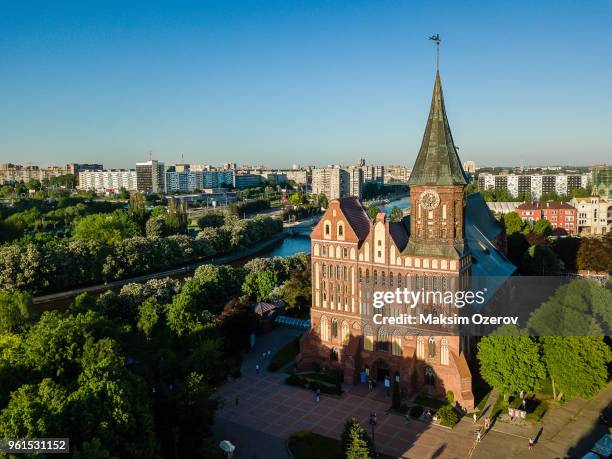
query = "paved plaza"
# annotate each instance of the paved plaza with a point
(269, 411)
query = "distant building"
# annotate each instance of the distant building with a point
(562, 215)
(396, 173)
(150, 177)
(602, 180)
(302, 177)
(469, 167)
(278, 178)
(355, 181)
(594, 214)
(333, 182)
(12, 173)
(74, 168)
(373, 174)
(188, 180)
(214, 197)
(242, 181)
(533, 185)
(111, 180)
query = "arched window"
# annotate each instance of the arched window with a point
(382, 281)
(324, 329)
(430, 376)
(327, 229)
(382, 343)
(334, 328)
(340, 229)
(399, 280)
(360, 276)
(390, 279)
(420, 352)
(375, 277)
(444, 352)
(345, 332)
(367, 276)
(431, 347)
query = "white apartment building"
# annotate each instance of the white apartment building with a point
(535, 184)
(333, 182)
(111, 180)
(189, 180)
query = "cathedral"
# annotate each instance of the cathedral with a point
(447, 238)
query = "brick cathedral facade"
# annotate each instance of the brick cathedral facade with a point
(353, 256)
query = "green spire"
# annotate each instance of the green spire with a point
(437, 162)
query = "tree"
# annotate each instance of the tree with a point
(577, 365)
(396, 214)
(15, 310)
(594, 254)
(510, 363)
(106, 228)
(156, 227)
(211, 220)
(373, 212)
(137, 209)
(355, 441)
(579, 308)
(177, 219)
(541, 260)
(259, 285)
(543, 227)
(322, 201)
(148, 316)
(514, 223)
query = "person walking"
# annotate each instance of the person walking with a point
(257, 368)
(475, 417)
(318, 395)
(530, 444)
(478, 436)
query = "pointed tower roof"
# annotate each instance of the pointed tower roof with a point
(437, 162)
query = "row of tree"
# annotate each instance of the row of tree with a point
(106, 249)
(503, 195)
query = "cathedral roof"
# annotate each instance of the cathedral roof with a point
(437, 162)
(356, 216)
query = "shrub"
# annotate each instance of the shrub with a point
(450, 397)
(448, 416)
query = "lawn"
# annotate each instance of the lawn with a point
(305, 444)
(285, 356)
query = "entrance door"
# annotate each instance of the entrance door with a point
(381, 373)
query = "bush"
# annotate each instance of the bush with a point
(416, 411)
(448, 416)
(450, 397)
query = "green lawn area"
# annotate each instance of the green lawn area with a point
(285, 355)
(305, 444)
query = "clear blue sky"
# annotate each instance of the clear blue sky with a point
(313, 82)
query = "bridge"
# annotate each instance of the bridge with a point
(302, 227)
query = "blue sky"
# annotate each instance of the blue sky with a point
(312, 82)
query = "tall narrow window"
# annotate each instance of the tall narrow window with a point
(431, 347)
(444, 360)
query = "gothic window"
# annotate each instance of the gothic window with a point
(324, 329)
(431, 347)
(327, 229)
(444, 360)
(367, 276)
(399, 280)
(333, 355)
(417, 284)
(345, 332)
(340, 229)
(323, 270)
(430, 376)
(374, 277)
(382, 343)
(345, 253)
(382, 280)
(344, 273)
(420, 351)
(390, 279)
(334, 328)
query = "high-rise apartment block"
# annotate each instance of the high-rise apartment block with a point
(12, 173)
(111, 180)
(533, 186)
(333, 182)
(150, 177)
(602, 180)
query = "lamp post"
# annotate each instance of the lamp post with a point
(373, 424)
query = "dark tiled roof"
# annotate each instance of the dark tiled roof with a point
(399, 232)
(478, 213)
(356, 216)
(437, 162)
(545, 205)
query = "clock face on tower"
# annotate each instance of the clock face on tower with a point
(430, 199)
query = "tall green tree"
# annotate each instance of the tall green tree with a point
(373, 211)
(510, 362)
(577, 365)
(356, 443)
(514, 223)
(106, 228)
(543, 227)
(541, 260)
(15, 310)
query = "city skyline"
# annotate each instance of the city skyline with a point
(278, 84)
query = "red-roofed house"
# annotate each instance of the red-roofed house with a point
(562, 215)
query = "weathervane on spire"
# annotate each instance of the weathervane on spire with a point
(436, 38)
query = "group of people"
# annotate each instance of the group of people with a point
(264, 355)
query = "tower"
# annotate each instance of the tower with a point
(437, 185)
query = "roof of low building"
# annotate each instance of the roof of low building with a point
(545, 205)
